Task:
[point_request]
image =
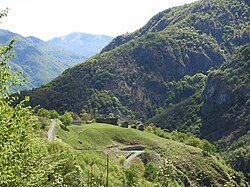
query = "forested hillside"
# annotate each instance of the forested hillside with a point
(219, 112)
(227, 22)
(39, 61)
(220, 106)
(140, 74)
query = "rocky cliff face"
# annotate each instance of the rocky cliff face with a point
(226, 98)
(226, 110)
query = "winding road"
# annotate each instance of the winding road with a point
(130, 157)
(132, 151)
(51, 132)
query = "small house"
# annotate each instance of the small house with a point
(141, 127)
(76, 122)
(133, 127)
(112, 121)
(124, 124)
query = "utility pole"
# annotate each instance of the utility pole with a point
(88, 184)
(107, 177)
(91, 174)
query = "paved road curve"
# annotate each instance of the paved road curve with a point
(130, 157)
(51, 132)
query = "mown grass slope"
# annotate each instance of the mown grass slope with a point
(192, 166)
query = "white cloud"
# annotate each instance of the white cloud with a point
(50, 18)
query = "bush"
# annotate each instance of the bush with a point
(150, 172)
(131, 176)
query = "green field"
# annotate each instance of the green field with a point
(101, 136)
(190, 165)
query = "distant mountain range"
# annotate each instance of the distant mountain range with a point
(82, 44)
(42, 61)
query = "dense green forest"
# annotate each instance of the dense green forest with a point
(185, 75)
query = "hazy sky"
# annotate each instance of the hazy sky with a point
(46, 19)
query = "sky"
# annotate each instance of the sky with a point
(46, 19)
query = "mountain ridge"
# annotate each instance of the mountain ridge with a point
(39, 62)
(158, 57)
(42, 61)
(81, 43)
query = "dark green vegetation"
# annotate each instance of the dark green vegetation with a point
(188, 67)
(82, 44)
(39, 61)
(219, 112)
